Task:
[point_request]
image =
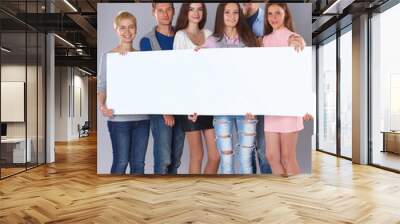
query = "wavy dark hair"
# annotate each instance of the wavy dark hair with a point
(288, 22)
(243, 29)
(183, 21)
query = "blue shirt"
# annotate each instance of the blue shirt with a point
(257, 23)
(252, 19)
(165, 42)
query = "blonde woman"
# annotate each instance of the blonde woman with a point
(129, 133)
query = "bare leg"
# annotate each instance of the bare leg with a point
(212, 152)
(288, 153)
(195, 151)
(273, 152)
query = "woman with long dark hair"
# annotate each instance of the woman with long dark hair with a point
(231, 31)
(231, 25)
(190, 33)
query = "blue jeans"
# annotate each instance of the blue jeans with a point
(246, 130)
(129, 141)
(265, 168)
(168, 145)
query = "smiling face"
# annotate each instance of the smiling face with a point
(231, 15)
(195, 14)
(126, 30)
(276, 16)
(164, 13)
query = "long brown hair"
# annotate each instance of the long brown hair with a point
(243, 29)
(288, 22)
(183, 21)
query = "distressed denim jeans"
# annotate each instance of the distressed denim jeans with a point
(246, 130)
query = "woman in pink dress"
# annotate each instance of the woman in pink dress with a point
(281, 131)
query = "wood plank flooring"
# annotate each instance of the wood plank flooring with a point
(10, 171)
(70, 191)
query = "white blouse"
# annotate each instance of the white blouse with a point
(182, 40)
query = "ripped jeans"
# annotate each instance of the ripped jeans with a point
(246, 130)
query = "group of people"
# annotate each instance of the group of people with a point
(270, 139)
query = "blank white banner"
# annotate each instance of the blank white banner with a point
(230, 81)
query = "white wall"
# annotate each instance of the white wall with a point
(71, 102)
(12, 73)
(61, 103)
(16, 73)
(33, 126)
(81, 98)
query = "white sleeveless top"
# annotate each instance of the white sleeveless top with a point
(182, 40)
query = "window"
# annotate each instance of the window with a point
(385, 89)
(327, 96)
(346, 93)
(22, 66)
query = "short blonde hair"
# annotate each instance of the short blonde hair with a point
(124, 15)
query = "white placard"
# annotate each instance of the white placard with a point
(230, 81)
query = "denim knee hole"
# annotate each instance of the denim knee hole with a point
(247, 139)
(224, 143)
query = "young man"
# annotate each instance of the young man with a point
(255, 19)
(167, 133)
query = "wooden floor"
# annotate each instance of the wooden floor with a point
(5, 172)
(69, 191)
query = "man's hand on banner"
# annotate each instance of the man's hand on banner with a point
(169, 120)
(193, 117)
(250, 116)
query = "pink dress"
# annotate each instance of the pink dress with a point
(281, 124)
